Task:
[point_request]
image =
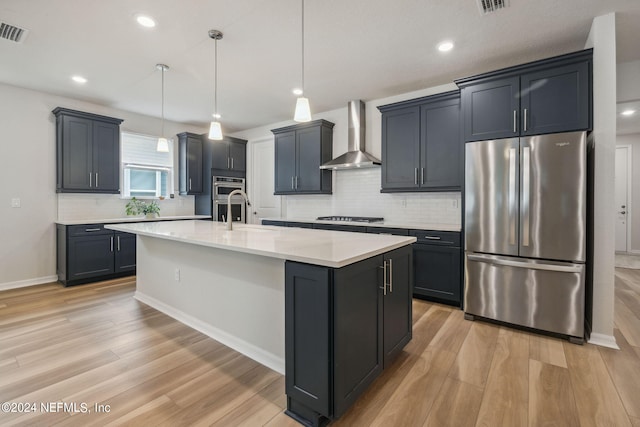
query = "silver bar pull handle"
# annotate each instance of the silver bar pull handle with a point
(384, 277)
(421, 176)
(90, 178)
(91, 229)
(296, 182)
(512, 196)
(96, 179)
(525, 119)
(232, 163)
(415, 176)
(391, 275)
(526, 194)
(292, 187)
(563, 268)
(111, 243)
(118, 237)
(432, 237)
(228, 164)
(515, 115)
(189, 183)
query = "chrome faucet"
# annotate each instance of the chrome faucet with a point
(229, 215)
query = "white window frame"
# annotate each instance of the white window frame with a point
(126, 167)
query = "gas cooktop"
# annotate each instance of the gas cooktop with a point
(351, 218)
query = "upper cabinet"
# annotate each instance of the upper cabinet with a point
(548, 96)
(88, 152)
(229, 156)
(190, 152)
(299, 152)
(421, 144)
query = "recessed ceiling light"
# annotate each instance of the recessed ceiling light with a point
(628, 112)
(216, 116)
(297, 91)
(445, 46)
(79, 79)
(146, 21)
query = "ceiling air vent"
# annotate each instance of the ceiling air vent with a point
(12, 33)
(489, 6)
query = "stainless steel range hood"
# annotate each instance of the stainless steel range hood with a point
(355, 157)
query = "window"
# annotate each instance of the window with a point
(146, 172)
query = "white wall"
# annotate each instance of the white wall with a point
(357, 192)
(634, 141)
(28, 156)
(628, 76)
(602, 38)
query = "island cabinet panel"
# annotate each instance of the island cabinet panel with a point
(299, 152)
(190, 154)
(421, 144)
(90, 252)
(342, 328)
(88, 152)
(548, 96)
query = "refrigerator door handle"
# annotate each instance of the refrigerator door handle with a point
(569, 268)
(526, 194)
(512, 196)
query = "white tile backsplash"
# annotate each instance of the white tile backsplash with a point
(357, 193)
(105, 206)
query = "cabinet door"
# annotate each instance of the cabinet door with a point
(556, 100)
(77, 154)
(194, 165)
(106, 157)
(238, 155)
(90, 256)
(491, 109)
(397, 302)
(125, 252)
(437, 272)
(401, 148)
(220, 155)
(441, 146)
(309, 154)
(285, 154)
(358, 326)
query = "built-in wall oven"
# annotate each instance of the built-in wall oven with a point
(222, 187)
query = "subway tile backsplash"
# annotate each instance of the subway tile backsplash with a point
(106, 206)
(357, 193)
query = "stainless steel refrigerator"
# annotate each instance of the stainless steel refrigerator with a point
(525, 231)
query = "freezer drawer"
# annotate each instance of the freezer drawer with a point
(537, 294)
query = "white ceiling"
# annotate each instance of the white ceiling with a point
(356, 49)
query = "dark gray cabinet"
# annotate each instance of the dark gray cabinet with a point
(437, 269)
(90, 252)
(421, 144)
(342, 328)
(299, 152)
(548, 96)
(229, 155)
(340, 227)
(88, 152)
(190, 155)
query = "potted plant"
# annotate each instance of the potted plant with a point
(137, 207)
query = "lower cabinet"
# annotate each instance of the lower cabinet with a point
(343, 326)
(437, 257)
(90, 252)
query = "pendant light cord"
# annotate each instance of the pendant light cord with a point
(215, 83)
(163, 68)
(303, 94)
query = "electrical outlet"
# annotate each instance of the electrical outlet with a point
(176, 275)
(15, 202)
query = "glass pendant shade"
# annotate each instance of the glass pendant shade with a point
(215, 131)
(163, 145)
(303, 112)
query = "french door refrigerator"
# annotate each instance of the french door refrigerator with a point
(525, 231)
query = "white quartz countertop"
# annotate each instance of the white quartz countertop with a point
(384, 224)
(320, 247)
(130, 219)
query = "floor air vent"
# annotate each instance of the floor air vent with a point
(12, 33)
(489, 6)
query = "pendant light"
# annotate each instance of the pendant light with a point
(163, 144)
(302, 113)
(215, 131)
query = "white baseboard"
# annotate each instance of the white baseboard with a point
(27, 282)
(603, 340)
(635, 251)
(259, 355)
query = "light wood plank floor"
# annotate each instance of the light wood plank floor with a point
(95, 345)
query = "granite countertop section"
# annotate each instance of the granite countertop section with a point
(387, 224)
(320, 247)
(130, 219)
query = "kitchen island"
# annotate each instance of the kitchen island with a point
(335, 306)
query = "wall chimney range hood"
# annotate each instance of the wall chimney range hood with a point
(355, 157)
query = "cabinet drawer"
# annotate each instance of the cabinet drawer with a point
(87, 230)
(444, 238)
(385, 230)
